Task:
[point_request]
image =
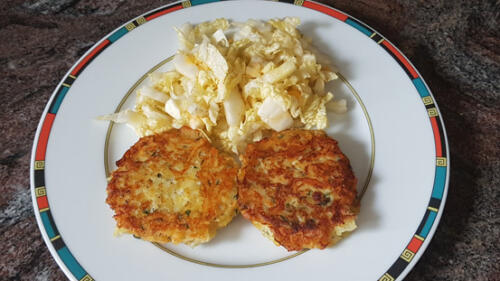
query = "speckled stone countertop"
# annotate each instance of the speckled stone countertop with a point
(454, 44)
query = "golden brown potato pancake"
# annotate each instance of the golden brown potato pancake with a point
(173, 187)
(298, 188)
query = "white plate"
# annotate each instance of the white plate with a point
(393, 131)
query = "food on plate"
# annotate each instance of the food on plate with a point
(237, 82)
(256, 89)
(298, 188)
(173, 187)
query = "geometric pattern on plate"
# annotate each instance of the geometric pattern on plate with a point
(441, 170)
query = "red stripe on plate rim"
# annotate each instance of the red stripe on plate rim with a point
(414, 245)
(329, 11)
(41, 146)
(401, 58)
(42, 202)
(437, 137)
(153, 16)
(89, 56)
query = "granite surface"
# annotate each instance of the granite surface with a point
(454, 44)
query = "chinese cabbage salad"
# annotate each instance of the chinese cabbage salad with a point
(237, 82)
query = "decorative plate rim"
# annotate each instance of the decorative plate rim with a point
(403, 263)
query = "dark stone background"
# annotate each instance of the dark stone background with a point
(454, 44)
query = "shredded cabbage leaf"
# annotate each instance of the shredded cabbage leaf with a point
(237, 82)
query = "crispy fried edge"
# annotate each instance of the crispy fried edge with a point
(128, 158)
(265, 222)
